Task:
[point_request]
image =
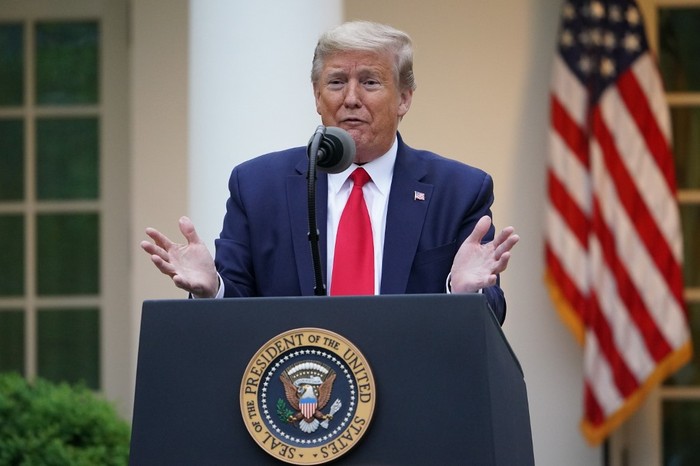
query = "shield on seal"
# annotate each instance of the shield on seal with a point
(307, 405)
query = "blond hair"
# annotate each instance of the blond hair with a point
(371, 37)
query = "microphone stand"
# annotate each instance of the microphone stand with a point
(319, 286)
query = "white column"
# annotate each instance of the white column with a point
(250, 90)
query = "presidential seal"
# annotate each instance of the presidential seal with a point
(307, 396)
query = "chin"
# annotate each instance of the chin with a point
(356, 133)
(364, 157)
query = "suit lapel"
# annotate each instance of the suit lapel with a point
(409, 199)
(298, 216)
(405, 218)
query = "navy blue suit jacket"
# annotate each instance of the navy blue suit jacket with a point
(263, 249)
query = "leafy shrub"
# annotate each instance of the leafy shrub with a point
(46, 424)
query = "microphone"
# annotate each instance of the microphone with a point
(332, 150)
(336, 149)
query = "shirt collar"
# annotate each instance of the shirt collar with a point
(380, 170)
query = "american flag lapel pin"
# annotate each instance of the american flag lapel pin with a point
(418, 196)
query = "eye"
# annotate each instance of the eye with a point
(371, 83)
(335, 81)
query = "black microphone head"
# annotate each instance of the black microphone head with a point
(336, 151)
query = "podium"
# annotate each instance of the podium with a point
(449, 389)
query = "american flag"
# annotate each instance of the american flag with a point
(613, 246)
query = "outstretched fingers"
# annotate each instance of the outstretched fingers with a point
(159, 239)
(159, 248)
(504, 242)
(160, 251)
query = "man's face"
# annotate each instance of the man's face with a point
(357, 92)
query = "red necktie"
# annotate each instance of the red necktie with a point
(353, 263)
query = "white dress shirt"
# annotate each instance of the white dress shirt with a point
(376, 194)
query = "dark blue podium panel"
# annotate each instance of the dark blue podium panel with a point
(449, 389)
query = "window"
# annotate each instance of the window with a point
(63, 190)
(49, 206)
(665, 431)
(679, 60)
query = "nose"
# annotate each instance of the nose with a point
(352, 95)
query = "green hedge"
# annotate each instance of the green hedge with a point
(58, 424)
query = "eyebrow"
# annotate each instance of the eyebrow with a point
(361, 71)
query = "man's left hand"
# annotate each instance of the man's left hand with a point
(477, 265)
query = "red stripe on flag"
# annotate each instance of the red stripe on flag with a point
(594, 413)
(566, 285)
(570, 132)
(636, 102)
(568, 209)
(625, 381)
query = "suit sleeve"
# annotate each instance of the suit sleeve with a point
(480, 207)
(233, 247)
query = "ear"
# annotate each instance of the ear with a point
(317, 98)
(405, 98)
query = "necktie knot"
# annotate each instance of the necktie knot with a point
(360, 177)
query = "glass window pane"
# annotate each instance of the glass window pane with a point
(68, 345)
(679, 48)
(12, 258)
(685, 123)
(67, 55)
(681, 423)
(690, 222)
(67, 158)
(11, 64)
(12, 341)
(68, 254)
(12, 159)
(690, 373)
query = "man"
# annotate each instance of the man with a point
(430, 216)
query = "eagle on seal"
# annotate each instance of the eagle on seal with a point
(308, 396)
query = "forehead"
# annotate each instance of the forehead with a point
(358, 61)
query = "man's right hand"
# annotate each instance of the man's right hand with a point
(190, 265)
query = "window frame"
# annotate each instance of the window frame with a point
(113, 299)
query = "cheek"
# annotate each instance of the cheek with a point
(385, 117)
(326, 104)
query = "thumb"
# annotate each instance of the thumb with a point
(480, 229)
(188, 231)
